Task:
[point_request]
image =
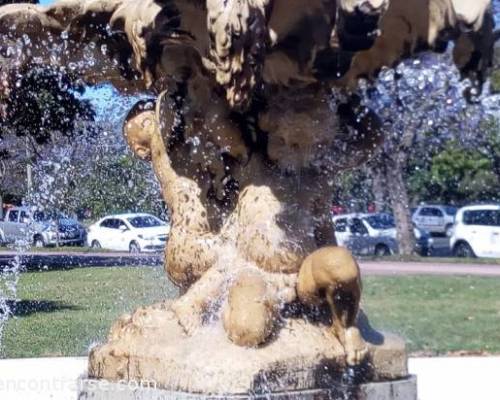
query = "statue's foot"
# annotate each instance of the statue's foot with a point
(189, 318)
(355, 347)
(191, 307)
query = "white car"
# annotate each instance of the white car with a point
(366, 234)
(435, 218)
(129, 232)
(476, 232)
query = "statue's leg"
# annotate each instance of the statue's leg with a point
(250, 312)
(332, 271)
(191, 307)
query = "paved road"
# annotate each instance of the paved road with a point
(62, 260)
(388, 268)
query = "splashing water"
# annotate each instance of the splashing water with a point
(68, 164)
(9, 278)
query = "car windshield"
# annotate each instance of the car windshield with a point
(145, 221)
(381, 221)
(451, 210)
(46, 216)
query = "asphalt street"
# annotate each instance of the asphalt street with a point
(388, 268)
(66, 260)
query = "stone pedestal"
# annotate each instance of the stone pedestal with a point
(150, 351)
(403, 389)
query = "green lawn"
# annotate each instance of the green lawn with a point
(62, 313)
(437, 315)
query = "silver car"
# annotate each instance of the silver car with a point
(366, 234)
(435, 218)
(26, 224)
(375, 234)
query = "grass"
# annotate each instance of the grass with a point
(62, 313)
(437, 315)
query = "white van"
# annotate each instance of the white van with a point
(476, 232)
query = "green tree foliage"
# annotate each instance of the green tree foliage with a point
(39, 105)
(44, 101)
(491, 143)
(495, 81)
(4, 2)
(457, 175)
(119, 183)
(94, 179)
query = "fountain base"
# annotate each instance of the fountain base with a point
(149, 356)
(403, 389)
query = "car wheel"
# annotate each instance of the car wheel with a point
(382, 250)
(96, 245)
(39, 242)
(134, 248)
(423, 252)
(463, 250)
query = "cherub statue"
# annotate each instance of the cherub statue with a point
(244, 132)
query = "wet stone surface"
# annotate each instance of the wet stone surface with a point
(403, 389)
(150, 346)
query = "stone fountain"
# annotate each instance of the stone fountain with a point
(251, 114)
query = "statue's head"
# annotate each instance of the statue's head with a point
(300, 130)
(139, 127)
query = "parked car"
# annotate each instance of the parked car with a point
(435, 218)
(476, 232)
(40, 228)
(129, 232)
(374, 234)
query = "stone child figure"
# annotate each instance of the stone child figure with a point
(253, 295)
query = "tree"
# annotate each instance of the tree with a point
(43, 102)
(490, 144)
(421, 106)
(40, 104)
(462, 175)
(93, 176)
(4, 2)
(77, 164)
(495, 81)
